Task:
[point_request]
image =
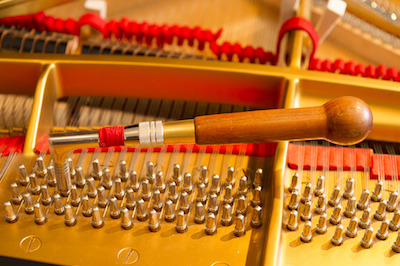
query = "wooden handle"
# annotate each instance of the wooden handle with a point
(345, 120)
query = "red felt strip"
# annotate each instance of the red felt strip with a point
(111, 136)
(385, 165)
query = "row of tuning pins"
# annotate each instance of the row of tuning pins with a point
(119, 193)
(352, 205)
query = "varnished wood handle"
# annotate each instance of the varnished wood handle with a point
(345, 120)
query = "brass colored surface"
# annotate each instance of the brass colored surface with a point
(179, 132)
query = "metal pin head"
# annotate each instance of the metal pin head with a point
(130, 199)
(241, 207)
(172, 193)
(321, 225)
(380, 213)
(320, 186)
(119, 190)
(170, 211)
(199, 213)
(97, 219)
(184, 202)
(383, 231)
(349, 189)
(10, 215)
(211, 224)
(126, 221)
(141, 211)
(292, 224)
(377, 192)
(203, 175)
(134, 182)
(256, 196)
(15, 194)
(176, 174)
(187, 183)
(69, 219)
(123, 173)
(396, 244)
(365, 219)
(86, 208)
(395, 222)
(293, 201)
(92, 191)
(150, 172)
(306, 213)
(294, 183)
(228, 197)
(306, 193)
(160, 185)
(352, 228)
(240, 227)
(181, 226)
(336, 216)
(226, 218)
(51, 177)
(41, 170)
(350, 208)
(258, 178)
(102, 200)
(35, 185)
(215, 188)
(23, 175)
(320, 207)
(80, 180)
(201, 193)
(230, 177)
(157, 203)
(335, 196)
(306, 235)
(243, 185)
(40, 217)
(75, 199)
(213, 204)
(366, 241)
(107, 180)
(364, 200)
(154, 221)
(337, 237)
(256, 220)
(391, 203)
(96, 173)
(58, 205)
(71, 167)
(28, 203)
(115, 212)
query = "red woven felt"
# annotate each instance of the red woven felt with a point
(111, 136)
(387, 165)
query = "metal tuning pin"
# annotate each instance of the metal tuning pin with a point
(335, 197)
(258, 178)
(306, 213)
(160, 185)
(107, 180)
(134, 181)
(10, 215)
(154, 221)
(321, 225)
(40, 217)
(226, 218)
(350, 208)
(203, 175)
(123, 172)
(306, 193)
(336, 216)
(119, 190)
(199, 213)
(115, 212)
(213, 204)
(69, 218)
(395, 222)
(150, 176)
(172, 193)
(86, 208)
(215, 188)
(351, 230)
(396, 244)
(380, 213)
(391, 203)
(364, 200)
(256, 219)
(102, 200)
(45, 195)
(294, 183)
(230, 177)
(23, 175)
(170, 211)
(181, 226)
(306, 235)
(72, 171)
(228, 196)
(59, 208)
(176, 174)
(126, 221)
(241, 207)
(80, 180)
(320, 186)
(256, 201)
(320, 207)
(366, 241)
(349, 189)
(130, 199)
(337, 237)
(240, 227)
(15, 194)
(41, 170)
(75, 199)
(292, 224)
(383, 231)
(35, 185)
(243, 186)
(211, 224)
(28, 203)
(141, 211)
(184, 202)
(293, 201)
(92, 191)
(51, 177)
(157, 203)
(201, 193)
(97, 219)
(365, 219)
(187, 183)
(377, 192)
(96, 172)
